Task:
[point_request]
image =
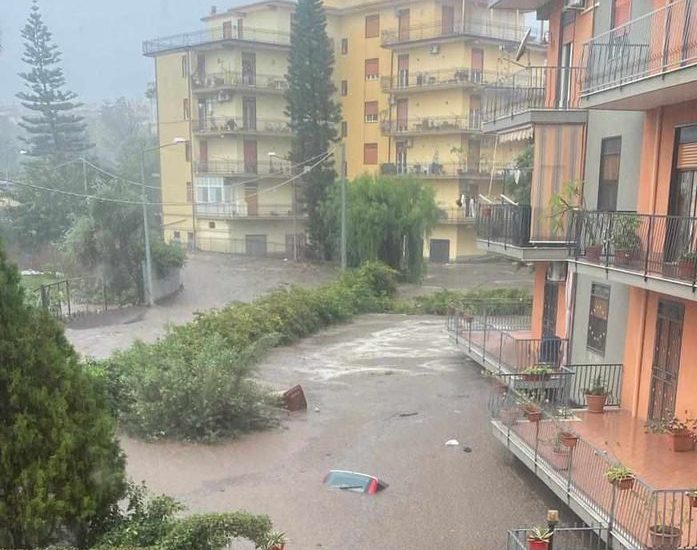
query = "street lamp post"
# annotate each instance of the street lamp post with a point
(146, 229)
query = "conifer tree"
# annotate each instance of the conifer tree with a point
(54, 129)
(313, 111)
(61, 469)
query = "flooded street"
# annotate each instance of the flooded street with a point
(360, 377)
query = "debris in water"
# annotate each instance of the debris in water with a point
(467, 449)
(452, 443)
(316, 409)
(403, 415)
(294, 399)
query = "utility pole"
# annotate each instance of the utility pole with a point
(342, 170)
(148, 257)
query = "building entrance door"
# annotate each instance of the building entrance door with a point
(666, 361)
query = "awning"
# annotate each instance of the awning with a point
(519, 134)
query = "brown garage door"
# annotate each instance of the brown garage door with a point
(440, 251)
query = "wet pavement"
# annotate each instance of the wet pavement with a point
(361, 376)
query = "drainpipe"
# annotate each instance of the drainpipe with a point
(645, 297)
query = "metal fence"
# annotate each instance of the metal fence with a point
(242, 167)
(242, 124)
(433, 125)
(658, 42)
(450, 28)
(441, 78)
(564, 538)
(649, 244)
(216, 34)
(73, 298)
(239, 79)
(608, 375)
(228, 210)
(505, 224)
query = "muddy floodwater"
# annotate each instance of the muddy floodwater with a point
(359, 378)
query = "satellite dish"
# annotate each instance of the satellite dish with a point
(523, 45)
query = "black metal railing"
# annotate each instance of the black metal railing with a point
(648, 244)
(660, 41)
(243, 167)
(407, 80)
(239, 79)
(436, 169)
(586, 376)
(456, 215)
(241, 124)
(483, 28)
(245, 211)
(548, 88)
(506, 224)
(221, 33)
(433, 125)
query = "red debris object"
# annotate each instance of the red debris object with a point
(294, 399)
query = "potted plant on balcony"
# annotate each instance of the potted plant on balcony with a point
(538, 373)
(275, 541)
(625, 238)
(687, 265)
(533, 412)
(560, 454)
(568, 439)
(666, 533)
(692, 497)
(621, 477)
(539, 538)
(681, 433)
(596, 396)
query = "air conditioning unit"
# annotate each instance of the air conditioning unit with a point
(224, 95)
(435, 49)
(556, 272)
(574, 4)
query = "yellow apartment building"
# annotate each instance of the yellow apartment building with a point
(410, 78)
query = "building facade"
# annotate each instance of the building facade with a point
(410, 79)
(610, 230)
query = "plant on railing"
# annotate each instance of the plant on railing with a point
(539, 538)
(621, 477)
(687, 265)
(537, 373)
(692, 497)
(596, 396)
(625, 238)
(275, 541)
(568, 439)
(666, 533)
(561, 204)
(531, 409)
(682, 434)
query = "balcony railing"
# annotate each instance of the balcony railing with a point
(245, 211)
(438, 170)
(660, 41)
(433, 125)
(450, 29)
(456, 215)
(213, 35)
(443, 78)
(650, 245)
(242, 125)
(235, 79)
(241, 167)
(578, 472)
(505, 224)
(564, 538)
(533, 88)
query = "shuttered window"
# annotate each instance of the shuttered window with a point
(372, 26)
(372, 69)
(687, 156)
(371, 111)
(610, 154)
(597, 318)
(370, 153)
(621, 12)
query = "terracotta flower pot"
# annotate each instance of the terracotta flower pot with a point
(568, 439)
(686, 269)
(560, 459)
(624, 484)
(693, 500)
(596, 403)
(665, 537)
(623, 257)
(681, 441)
(593, 252)
(538, 545)
(533, 415)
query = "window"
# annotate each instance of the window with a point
(344, 88)
(610, 150)
(372, 26)
(177, 235)
(597, 318)
(209, 190)
(185, 66)
(187, 151)
(370, 153)
(344, 46)
(344, 129)
(186, 108)
(621, 12)
(371, 111)
(189, 192)
(372, 69)
(211, 225)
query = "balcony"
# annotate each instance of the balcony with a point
(505, 229)
(218, 36)
(543, 95)
(565, 538)
(440, 31)
(246, 211)
(232, 125)
(456, 215)
(437, 170)
(655, 252)
(231, 168)
(433, 126)
(444, 79)
(576, 474)
(215, 83)
(648, 62)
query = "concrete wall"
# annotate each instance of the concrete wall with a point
(170, 284)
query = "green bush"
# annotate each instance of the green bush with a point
(196, 383)
(494, 301)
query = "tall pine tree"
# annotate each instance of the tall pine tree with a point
(61, 469)
(314, 113)
(54, 130)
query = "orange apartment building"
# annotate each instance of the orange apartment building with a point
(410, 78)
(615, 288)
